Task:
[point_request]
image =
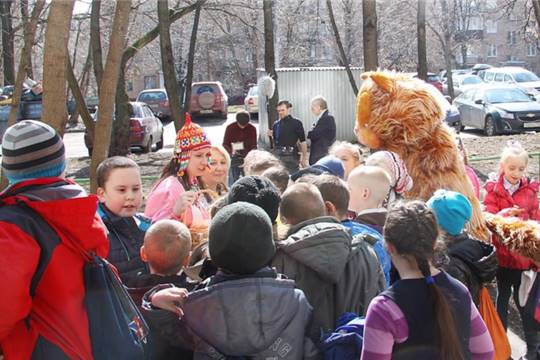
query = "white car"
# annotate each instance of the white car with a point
(521, 77)
(251, 102)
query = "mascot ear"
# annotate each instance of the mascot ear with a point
(383, 81)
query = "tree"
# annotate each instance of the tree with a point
(270, 60)
(344, 59)
(24, 18)
(7, 42)
(421, 34)
(95, 41)
(191, 59)
(444, 34)
(536, 7)
(369, 18)
(54, 65)
(108, 87)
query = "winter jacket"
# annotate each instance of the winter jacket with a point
(472, 262)
(336, 274)
(497, 199)
(374, 218)
(322, 136)
(54, 320)
(126, 236)
(261, 316)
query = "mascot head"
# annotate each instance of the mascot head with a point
(395, 110)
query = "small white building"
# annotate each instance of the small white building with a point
(300, 85)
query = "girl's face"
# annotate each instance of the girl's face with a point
(218, 166)
(348, 160)
(198, 162)
(513, 168)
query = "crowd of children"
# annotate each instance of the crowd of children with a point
(261, 269)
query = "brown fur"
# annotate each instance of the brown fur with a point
(399, 114)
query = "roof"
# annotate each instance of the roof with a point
(508, 69)
(153, 90)
(314, 68)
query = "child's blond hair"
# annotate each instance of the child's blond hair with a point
(514, 149)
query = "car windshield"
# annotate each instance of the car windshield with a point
(525, 76)
(152, 96)
(253, 91)
(471, 80)
(506, 95)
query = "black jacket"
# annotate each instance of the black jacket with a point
(471, 261)
(322, 136)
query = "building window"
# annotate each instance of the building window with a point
(475, 23)
(492, 51)
(150, 82)
(511, 38)
(129, 86)
(491, 26)
(531, 49)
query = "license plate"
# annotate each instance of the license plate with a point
(206, 111)
(531, 124)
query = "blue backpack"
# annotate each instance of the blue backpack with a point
(345, 342)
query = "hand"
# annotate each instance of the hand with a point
(303, 163)
(170, 299)
(509, 212)
(184, 201)
(270, 133)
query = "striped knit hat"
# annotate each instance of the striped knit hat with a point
(32, 149)
(190, 137)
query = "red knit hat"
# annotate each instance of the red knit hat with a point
(190, 137)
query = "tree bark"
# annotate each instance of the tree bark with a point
(447, 36)
(342, 53)
(421, 34)
(369, 18)
(102, 131)
(54, 65)
(536, 7)
(270, 60)
(8, 60)
(95, 41)
(79, 98)
(24, 16)
(189, 70)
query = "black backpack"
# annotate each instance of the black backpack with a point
(117, 328)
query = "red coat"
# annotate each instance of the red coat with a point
(526, 198)
(56, 312)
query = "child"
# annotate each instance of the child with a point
(471, 261)
(400, 181)
(257, 161)
(336, 274)
(336, 198)
(279, 176)
(513, 194)
(246, 309)
(427, 314)
(120, 196)
(349, 154)
(369, 186)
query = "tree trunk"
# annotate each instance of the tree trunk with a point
(24, 15)
(29, 33)
(536, 7)
(79, 98)
(270, 60)
(421, 34)
(369, 19)
(189, 70)
(103, 128)
(120, 139)
(446, 48)
(344, 58)
(7, 42)
(95, 41)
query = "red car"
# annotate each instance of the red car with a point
(208, 98)
(434, 80)
(145, 129)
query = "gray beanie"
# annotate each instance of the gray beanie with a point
(240, 238)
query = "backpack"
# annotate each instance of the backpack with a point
(117, 328)
(345, 342)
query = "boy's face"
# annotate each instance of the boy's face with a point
(122, 193)
(514, 168)
(357, 197)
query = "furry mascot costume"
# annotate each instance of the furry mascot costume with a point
(400, 114)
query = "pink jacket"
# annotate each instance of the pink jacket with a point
(162, 199)
(475, 182)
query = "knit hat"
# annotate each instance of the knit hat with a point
(451, 209)
(190, 137)
(240, 239)
(259, 191)
(332, 165)
(32, 149)
(392, 163)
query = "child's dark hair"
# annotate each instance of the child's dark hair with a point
(279, 176)
(333, 190)
(411, 227)
(108, 165)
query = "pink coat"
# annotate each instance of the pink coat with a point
(475, 182)
(162, 199)
(498, 198)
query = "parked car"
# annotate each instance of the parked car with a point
(498, 109)
(452, 117)
(432, 79)
(251, 102)
(145, 129)
(208, 98)
(461, 83)
(92, 103)
(443, 75)
(521, 77)
(158, 100)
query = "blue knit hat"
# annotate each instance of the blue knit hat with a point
(332, 165)
(452, 210)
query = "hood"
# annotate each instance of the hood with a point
(479, 256)
(519, 106)
(322, 244)
(529, 84)
(258, 309)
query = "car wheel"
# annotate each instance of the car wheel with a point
(461, 127)
(159, 144)
(489, 127)
(148, 146)
(458, 127)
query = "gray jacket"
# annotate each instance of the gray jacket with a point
(336, 273)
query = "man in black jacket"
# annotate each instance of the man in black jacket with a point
(323, 134)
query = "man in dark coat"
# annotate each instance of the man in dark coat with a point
(323, 134)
